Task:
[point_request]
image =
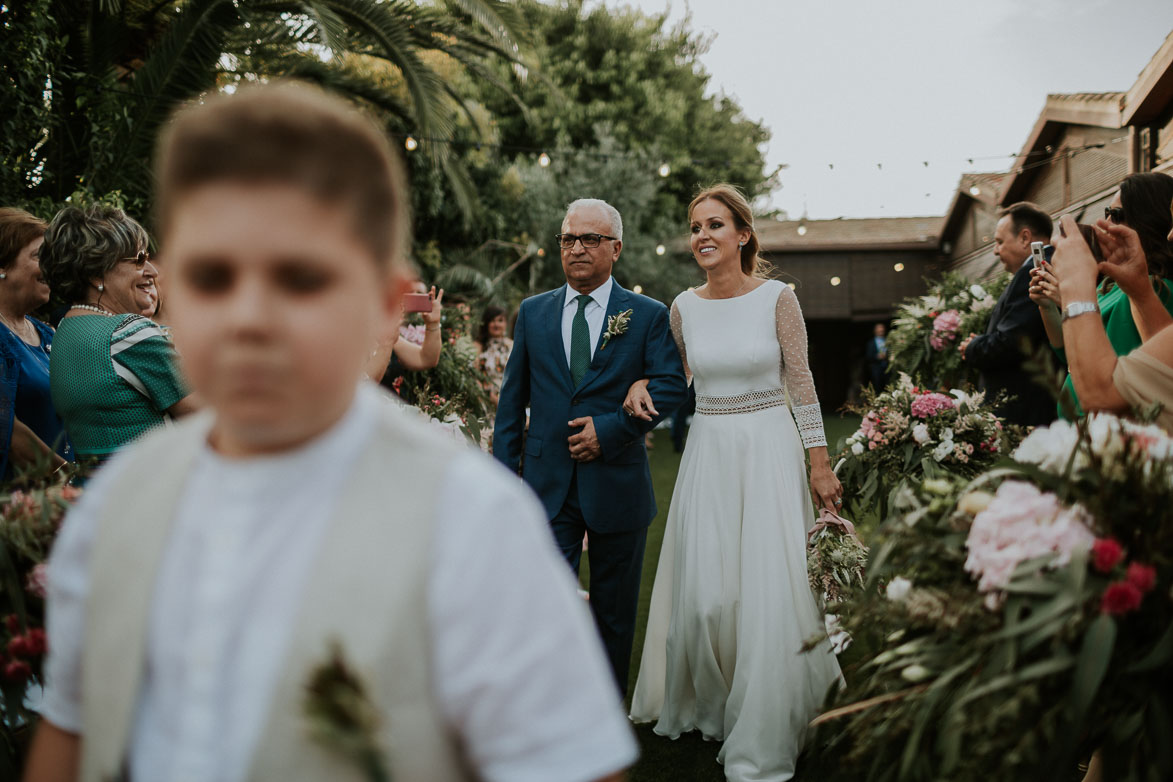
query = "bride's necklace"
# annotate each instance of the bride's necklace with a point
(91, 308)
(744, 287)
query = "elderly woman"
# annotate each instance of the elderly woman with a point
(31, 432)
(1136, 298)
(1104, 381)
(113, 372)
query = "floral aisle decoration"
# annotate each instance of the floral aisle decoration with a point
(29, 520)
(909, 433)
(927, 330)
(453, 394)
(1019, 621)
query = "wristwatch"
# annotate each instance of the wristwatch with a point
(1077, 308)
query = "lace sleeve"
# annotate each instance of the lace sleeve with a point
(677, 325)
(796, 372)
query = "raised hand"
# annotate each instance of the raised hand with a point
(1044, 288)
(1124, 258)
(638, 403)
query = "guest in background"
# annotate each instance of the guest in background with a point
(493, 349)
(1016, 329)
(405, 351)
(876, 353)
(113, 372)
(1136, 297)
(1141, 378)
(31, 432)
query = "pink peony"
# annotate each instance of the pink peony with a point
(928, 405)
(1019, 524)
(945, 328)
(1120, 597)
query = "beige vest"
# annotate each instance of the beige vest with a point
(367, 590)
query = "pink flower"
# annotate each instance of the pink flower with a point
(945, 328)
(1106, 554)
(38, 580)
(1143, 577)
(413, 334)
(928, 405)
(1120, 597)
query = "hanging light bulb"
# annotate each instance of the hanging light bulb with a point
(661, 249)
(835, 282)
(975, 191)
(802, 229)
(637, 289)
(541, 252)
(792, 286)
(665, 170)
(898, 267)
(411, 144)
(543, 160)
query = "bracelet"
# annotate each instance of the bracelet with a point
(432, 328)
(1077, 308)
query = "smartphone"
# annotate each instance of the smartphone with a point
(417, 302)
(1041, 253)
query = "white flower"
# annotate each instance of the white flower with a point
(943, 450)
(981, 305)
(857, 448)
(978, 292)
(920, 433)
(1050, 447)
(898, 589)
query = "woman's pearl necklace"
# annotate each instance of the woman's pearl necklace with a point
(98, 310)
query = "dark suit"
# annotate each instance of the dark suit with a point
(1015, 332)
(612, 495)
(877, 367)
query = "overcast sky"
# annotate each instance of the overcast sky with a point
(856, 83)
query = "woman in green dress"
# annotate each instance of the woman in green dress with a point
(112, 372)
(1135, 299)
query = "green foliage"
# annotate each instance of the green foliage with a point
(1024, 682)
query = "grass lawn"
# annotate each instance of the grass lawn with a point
(690, 758)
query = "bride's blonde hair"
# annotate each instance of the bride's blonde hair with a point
(737, 204)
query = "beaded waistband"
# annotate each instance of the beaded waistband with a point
(749, 402)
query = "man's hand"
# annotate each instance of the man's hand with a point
(965, 344)
(584, 446)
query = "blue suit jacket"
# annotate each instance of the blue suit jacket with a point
(614, 490)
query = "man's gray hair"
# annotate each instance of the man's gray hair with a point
(598, 203)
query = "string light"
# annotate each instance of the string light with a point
(541, 252)
(665, 170)
(661, 249)
(975, 191)
(802, 229)
(898, 267)
(410, 143)
(835, 282)
(792, 286)
(543, 160)
(637, 289)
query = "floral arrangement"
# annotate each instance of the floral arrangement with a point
(454, 392)
(909, 433)
(1017, 622)
(927, 330)
(835, 559)
(29, 520)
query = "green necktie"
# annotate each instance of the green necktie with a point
(580, 342)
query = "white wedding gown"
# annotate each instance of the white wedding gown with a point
(731, 605)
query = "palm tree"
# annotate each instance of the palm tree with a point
(125, 65)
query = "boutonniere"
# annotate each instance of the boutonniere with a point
(342, 717)
(616, 325)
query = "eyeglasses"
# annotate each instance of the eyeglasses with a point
(1114, 213)
(589, 241)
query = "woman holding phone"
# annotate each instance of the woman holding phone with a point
(395, 354)
(1135, 299)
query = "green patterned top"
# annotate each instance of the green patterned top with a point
(112, 379)
(1116, 312)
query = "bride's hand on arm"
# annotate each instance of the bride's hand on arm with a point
(825, 486)
(638, 403)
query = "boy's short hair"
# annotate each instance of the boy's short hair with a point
(295, 134)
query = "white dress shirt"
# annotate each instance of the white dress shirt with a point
(519, 672)
(595, 314)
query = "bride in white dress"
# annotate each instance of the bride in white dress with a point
(731, 605)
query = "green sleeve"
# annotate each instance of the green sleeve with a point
(154, 362)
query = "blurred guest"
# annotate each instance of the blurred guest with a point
(1016, 329)
(113, 372)
(493, 349)
(31, 432)
(1140, 379)
(1136, 297)
(403, 350)
(876, 352)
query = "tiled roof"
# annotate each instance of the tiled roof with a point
(825, 234)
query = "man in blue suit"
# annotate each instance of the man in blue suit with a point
(576, 351)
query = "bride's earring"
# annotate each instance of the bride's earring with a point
(101, 287)
(3, 275)
(740, 245)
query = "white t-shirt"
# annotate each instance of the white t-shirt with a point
(519, 672)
